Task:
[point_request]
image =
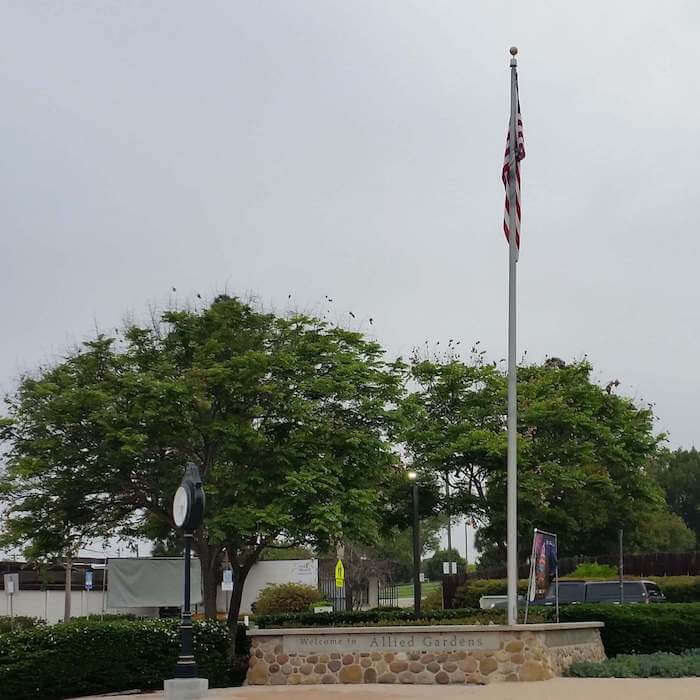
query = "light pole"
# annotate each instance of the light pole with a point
(416, 545)
(188, 513)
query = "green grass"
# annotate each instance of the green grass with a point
(406, 589)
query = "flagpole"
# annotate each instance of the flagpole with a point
(512, 501)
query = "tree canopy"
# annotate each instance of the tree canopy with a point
(678, 474)
(286, 418)
(299, 429)
(583, 452)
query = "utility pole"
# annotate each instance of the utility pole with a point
(416, 546)
(622, 571)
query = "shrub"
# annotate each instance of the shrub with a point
(286, 598)
(679, 589)
(19, 622)
(87, 657)
(658, 665)
(593, 570)
(468, 595)
(433, 601)
(642, 629)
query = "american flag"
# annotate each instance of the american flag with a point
(505, 175)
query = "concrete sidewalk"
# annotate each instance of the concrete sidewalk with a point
(555, 689)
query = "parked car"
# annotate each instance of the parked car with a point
(633, 592)
(577, 592)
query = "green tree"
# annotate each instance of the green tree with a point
(432, 567)
(660, 531)
(678, 474)
(286, 418)
(582, 450)
(397, 545)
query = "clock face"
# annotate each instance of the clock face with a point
(181, 504)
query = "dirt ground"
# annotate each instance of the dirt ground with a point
(555, 689)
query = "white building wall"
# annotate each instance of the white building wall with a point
(48, 605)
(264, 573)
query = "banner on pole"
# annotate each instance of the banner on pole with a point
(543, 567)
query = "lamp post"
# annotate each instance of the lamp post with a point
(416, 545)
(188, 513)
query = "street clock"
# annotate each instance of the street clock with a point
(188, 504)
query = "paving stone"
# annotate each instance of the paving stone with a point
(311, 679)
(457, 677)
(387, 678)
(257, 675)
(488, 665)
(425, 678)
(470, 664)
(370, 676)
(351, 674)
(532, 671)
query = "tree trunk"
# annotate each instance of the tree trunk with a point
(210, 561)
(68, 587)
(241, 567)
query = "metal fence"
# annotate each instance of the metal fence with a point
(387, 595)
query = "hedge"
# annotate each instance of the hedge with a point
(641, 629)
(677, 589)
(391, 616)
(18, 622)
(629, 629)
(468, 595)
(85, 657)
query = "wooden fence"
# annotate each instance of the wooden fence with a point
(650, 564)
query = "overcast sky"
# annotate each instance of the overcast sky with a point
(353, 149)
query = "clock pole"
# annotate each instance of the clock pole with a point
(186, 666)
(188, 514)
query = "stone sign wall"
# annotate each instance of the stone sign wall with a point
(425, 655)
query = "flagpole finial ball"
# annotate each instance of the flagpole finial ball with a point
(513, 50)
